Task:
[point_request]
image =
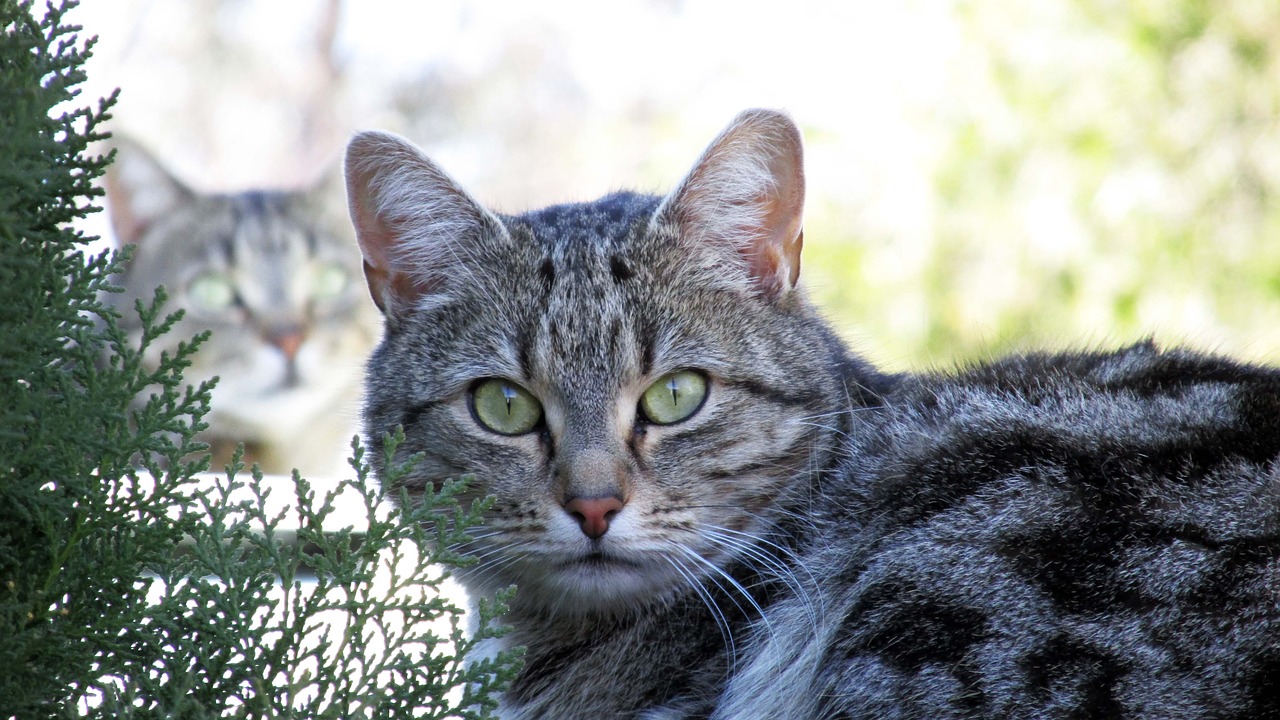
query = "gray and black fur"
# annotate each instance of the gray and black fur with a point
(1076, 535)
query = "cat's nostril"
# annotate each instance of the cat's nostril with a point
(594, 514)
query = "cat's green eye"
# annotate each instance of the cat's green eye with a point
(675, 397)
(330, 280)
(212, 291)
(504, 407)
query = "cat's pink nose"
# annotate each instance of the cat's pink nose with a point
(593, 514)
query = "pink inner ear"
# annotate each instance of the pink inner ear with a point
(128, 224)
(795, 249)
(391, 290)
(378, 280)
(745, 195)
(410, 217)
(394, 291)
(775, 263)
(775, 258)
(140, 192)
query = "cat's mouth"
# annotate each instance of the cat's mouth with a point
(597, 560)
(596, 581)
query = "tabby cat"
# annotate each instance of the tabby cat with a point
(275, 276)
(712, 509)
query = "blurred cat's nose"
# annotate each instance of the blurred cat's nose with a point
(287, 339)
(593, 514)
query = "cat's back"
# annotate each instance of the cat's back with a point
(1117, 430)
(1083, 535)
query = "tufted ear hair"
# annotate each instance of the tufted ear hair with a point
(414, 223)
(140, 191)
(744, 202)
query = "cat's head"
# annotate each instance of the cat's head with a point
(273, 274)
(636, 379)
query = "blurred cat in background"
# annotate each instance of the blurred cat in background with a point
(275, 275)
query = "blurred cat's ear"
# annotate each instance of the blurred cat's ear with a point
(140, 191)
(412, 222)
(744, 201)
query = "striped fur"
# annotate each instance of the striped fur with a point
(1077, 535)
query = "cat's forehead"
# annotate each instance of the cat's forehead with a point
(575, 228)
(261, 225)
(562, 301)
(260, 219)
(269, 217)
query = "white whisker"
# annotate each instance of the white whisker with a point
(733, 583)
(726, 633)
(748, 549)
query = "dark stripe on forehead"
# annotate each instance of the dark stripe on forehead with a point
(524, 352)
(243, 211)
(647, 339)
(615, 337)
(255, 202)
(262, 213)
(619, 268)
(228, 241)
(248, 206)
(602, 222)
(547, 271)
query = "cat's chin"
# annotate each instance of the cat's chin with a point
(596, 584)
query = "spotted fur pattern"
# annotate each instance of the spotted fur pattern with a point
(1074, 535)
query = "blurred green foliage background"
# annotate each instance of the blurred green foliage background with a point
(1109, 171)
(984, 175)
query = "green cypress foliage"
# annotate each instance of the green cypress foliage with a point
(129, 587)
(76, 525)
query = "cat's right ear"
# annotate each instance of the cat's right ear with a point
(140, 191)
(412, 222)
(740, 210)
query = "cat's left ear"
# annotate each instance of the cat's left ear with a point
(742, 205)
(140, 191)
(414, 223)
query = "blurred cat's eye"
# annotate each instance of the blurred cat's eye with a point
(330, 280)
(504, 407)
(212, 291)
(674, 397)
